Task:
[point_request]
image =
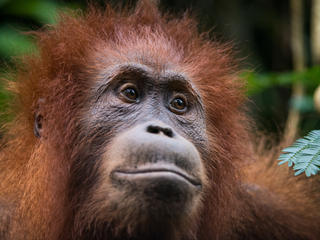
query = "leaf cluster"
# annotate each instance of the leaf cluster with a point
(304, 154)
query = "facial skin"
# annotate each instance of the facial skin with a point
(147, 135)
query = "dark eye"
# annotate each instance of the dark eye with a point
(129, 93)
(178, 105)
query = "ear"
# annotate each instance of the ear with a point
(37, 129)
(38, 119)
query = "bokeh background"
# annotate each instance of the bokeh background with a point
(277, 42)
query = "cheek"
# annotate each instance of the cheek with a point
(110, 160)
(105, 191)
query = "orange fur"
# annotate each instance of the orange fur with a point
(35, 172)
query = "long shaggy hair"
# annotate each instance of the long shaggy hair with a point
(34, 173)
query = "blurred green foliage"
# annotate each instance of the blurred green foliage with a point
(16, 18)
(40, 10)
(310, 78)
(258, 82)
(13, 43)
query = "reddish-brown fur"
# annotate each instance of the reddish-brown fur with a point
(247, 199)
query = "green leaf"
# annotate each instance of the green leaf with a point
(304, 154)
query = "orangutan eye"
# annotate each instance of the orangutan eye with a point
(129, 93)
(178, 105)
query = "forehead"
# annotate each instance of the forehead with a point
(152, 53)
(109, 72)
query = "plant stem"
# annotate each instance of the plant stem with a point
(297, 47)
(315, 45)
(315, 32)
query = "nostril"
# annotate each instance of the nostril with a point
(168, 132)
(153, 129)
(156, 130)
